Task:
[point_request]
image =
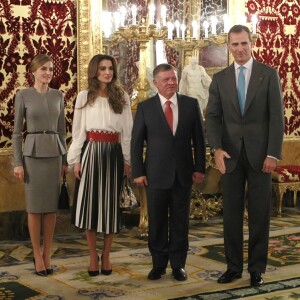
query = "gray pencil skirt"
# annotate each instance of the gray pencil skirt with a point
(42, 183)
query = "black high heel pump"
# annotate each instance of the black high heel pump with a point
(105, 272)
(39, 273)
(94, 273)
(50, 271)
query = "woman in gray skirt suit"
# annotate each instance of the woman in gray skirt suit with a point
(100, 154)
(42, 159)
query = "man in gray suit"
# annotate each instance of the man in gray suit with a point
(169, 168)
(244, 123)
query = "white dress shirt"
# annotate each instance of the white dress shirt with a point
(174, 106)
(247, 72)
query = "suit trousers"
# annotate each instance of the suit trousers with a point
(258, 198)
(168, 213)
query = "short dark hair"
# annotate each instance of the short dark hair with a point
(239, 29)
(162, 68)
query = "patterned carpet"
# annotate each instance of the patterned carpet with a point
(131, 263)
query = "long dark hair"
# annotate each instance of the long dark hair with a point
(114, 90)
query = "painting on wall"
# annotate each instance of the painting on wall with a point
(214, 56)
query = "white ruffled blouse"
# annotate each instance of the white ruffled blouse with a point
(99, 117)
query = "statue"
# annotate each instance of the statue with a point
(195, 82)
(150, 89)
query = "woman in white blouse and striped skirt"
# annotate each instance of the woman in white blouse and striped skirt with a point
(100, 155)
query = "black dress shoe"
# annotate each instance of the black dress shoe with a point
(256, 279)
(156, 273)
(179, 274)
(229, 276)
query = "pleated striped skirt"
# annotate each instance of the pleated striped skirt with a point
(96, 197)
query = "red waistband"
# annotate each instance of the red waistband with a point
(100, 136)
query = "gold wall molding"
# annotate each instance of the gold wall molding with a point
(89, 37)
(6, 151)
(83, 47)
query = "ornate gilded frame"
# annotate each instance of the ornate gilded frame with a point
(83, 47)
(89, 40)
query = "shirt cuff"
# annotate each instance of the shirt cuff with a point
(273, 157)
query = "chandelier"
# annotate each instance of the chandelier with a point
(188, 37)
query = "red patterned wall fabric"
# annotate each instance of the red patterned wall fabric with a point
(29, 27)
(278, 45)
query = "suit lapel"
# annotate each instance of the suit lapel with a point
(257, 77)
(231, 84)
(180, 103)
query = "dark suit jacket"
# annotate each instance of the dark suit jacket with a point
(167, 155)
(262, 125)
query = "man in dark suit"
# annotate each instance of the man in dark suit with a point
(174, 160)
(244, 123)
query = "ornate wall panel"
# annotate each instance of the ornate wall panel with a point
(29, 27)
(131, 48)
(213, 8)
(278, 45)
(173, 12)
(84, 37)
(198, 10)
(214, 57)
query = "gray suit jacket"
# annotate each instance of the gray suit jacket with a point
(167, 155)
(42, 112)
(262, 125)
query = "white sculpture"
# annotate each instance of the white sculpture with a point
(149, 77)
(195, 82)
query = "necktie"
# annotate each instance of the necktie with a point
(241, 89)
(169, 114)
